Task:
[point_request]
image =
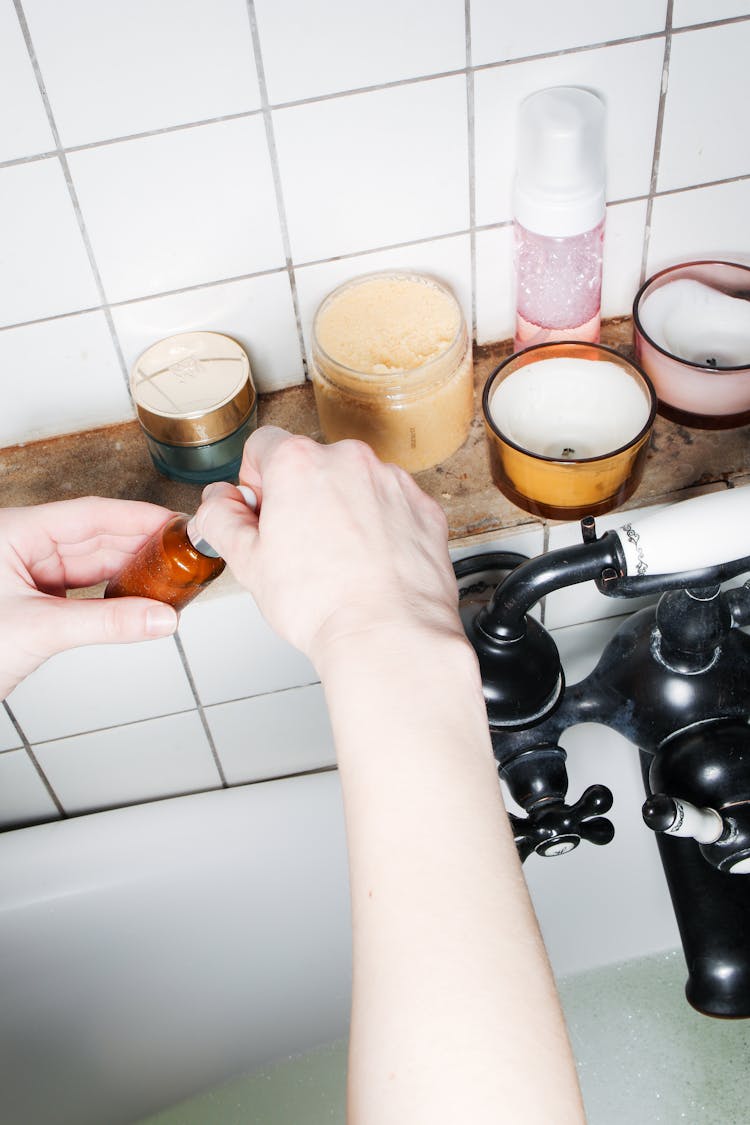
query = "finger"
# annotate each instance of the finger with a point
(226, 521)
(62, 623)
(70, 522)
(259, 449)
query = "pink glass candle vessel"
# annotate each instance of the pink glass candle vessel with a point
(691, 326)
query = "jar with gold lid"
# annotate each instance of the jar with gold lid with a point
(392, 366)
(197, 405)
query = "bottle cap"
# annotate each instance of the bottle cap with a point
(193, 389)
(560, 172)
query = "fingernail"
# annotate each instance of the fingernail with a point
(161, 620)
(248, 495)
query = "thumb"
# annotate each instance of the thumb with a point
(70, 623)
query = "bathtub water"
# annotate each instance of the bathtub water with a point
(188, 962)
(643, 1056)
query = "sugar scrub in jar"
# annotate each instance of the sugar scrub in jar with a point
(392, 366)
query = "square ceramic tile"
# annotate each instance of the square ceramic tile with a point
(24, 798)
(704, 11)
(234, 653)
(702, 139)
(257, 312)
(139, 66)
(313, 49)
(623, 254)
(631, 117)
(97, 686)
(138, 762)
(46, 270)
(26, 130)
(708, 222)
(447, 259)
(9, 736)
(583, 602)
(495, 285)
(58, 377)
(273, 735)
(505, 30)
(180, 209)
(374, 169)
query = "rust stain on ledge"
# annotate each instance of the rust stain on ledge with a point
(114, 461)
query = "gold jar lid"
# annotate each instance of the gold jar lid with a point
(193, 389)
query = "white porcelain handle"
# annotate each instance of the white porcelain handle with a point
(693, 534)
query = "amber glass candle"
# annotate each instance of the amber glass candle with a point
(568, 427)
(167, 568)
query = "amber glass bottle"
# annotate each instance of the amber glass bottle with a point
(168, 567)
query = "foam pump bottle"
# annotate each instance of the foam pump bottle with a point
(559, 209)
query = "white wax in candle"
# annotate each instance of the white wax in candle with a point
(698, 323)
(569, 408)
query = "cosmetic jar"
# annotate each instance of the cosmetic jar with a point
(197, 405)
(691, 328)
(392, 366)
(568, 428)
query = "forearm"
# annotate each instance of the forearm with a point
(455, 1014)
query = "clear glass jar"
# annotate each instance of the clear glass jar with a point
(392, 366)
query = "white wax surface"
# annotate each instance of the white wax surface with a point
(570, 408)
(697, 323)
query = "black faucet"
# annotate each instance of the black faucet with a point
(674, 680)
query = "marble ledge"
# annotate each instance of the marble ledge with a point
(114, 461)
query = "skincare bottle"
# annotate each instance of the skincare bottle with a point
(172, 566)
(559, 209)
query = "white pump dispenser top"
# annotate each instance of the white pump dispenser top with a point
(560, 172)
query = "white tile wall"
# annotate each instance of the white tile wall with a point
(24, 799)
(101, 686)
(210, 156)
(374, 169)
(314, 49)
(502, 29)
(703, 138)
(125, 764)
(46, 271)
(233, 653)
(177, 209)
(9, 736)
(273, 735)
(83, 378)
(112, 70)
(27, 129)
(702, 223)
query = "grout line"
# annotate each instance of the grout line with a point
(211, 284)
(201, 712)
(657, 142)
(294, 103)
(276, 173)
(61, 156)
(34, 760)
(471, 141)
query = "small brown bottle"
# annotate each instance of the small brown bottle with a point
(169, 567)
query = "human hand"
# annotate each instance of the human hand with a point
(50, 548)
(341, 544)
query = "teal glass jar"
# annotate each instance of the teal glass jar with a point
(197, 405)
